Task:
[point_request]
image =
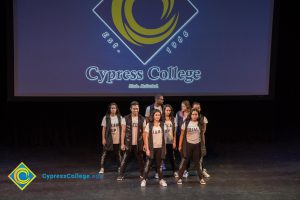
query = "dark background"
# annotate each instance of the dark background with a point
(75, 122)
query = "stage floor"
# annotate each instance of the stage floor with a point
(238, 171)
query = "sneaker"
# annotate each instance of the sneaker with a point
(156, 176)
(143, 183)
(120, 178)
(202, 182)
(175, 174)
(185, 174)
(101, 171)
(163, 183)
(179, 182)
(205, 174)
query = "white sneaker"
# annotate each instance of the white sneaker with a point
(205, 174)
(120, 178)
(185, 174)
(202, 182)
(143, 183)
(175, 174)
(156, 176)
(162, 182)
(101, 171)
(179, 182)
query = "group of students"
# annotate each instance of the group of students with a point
(158, 136)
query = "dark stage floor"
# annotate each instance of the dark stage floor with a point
(258, 171)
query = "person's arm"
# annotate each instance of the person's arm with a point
(203, 128)
(174, 139)
(147, 114)
(103, 135)
(123, 137)
(202, 137)
(180, 140)
(146, 146)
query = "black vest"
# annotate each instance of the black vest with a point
(180, 121)
(152, 108)
(108, 136)
(150, 141)
(128, 132)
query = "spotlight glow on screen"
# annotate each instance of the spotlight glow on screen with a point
(140, 48)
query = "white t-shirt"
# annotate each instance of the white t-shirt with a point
(169, 132)
(115, 131)
(135, 129)
(205, 121)
(147, 114)
(193, 132)
(156, 134)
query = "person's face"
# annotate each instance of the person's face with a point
(194, 116)
(135, 109)
(167, 111)
(156, 116)
(183, 107)
(159, 100)
(197, 106)
(113, 109)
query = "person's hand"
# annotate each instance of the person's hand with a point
(144, 148)
(179, 148)
(123, 147)
(104, 142)
(148, 152)
(174, 145)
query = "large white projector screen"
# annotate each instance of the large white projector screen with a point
(140, 48)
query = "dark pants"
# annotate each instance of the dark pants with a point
(177, 152)
(149, 162)
(171, 156)
(138, 155)
(201, 164)
(116, 152)
(193, 151)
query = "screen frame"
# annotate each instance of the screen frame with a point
(10, 71)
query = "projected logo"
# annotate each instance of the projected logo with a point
(22, 176)
(145, 27)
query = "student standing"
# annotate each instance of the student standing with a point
(155, 146)
(132, 139)
(112, 124)
(190, 144)
(170, 136)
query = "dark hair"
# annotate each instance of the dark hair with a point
(151, 118)
(196, 103)
(134, 103)
(109, 107)
(157, 96)
(187, 104)
(190, 114)
(164, 113)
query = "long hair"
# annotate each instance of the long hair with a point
(189, 118)
(164, 113)
(109, 107)
(187, 104)
(151, 118)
